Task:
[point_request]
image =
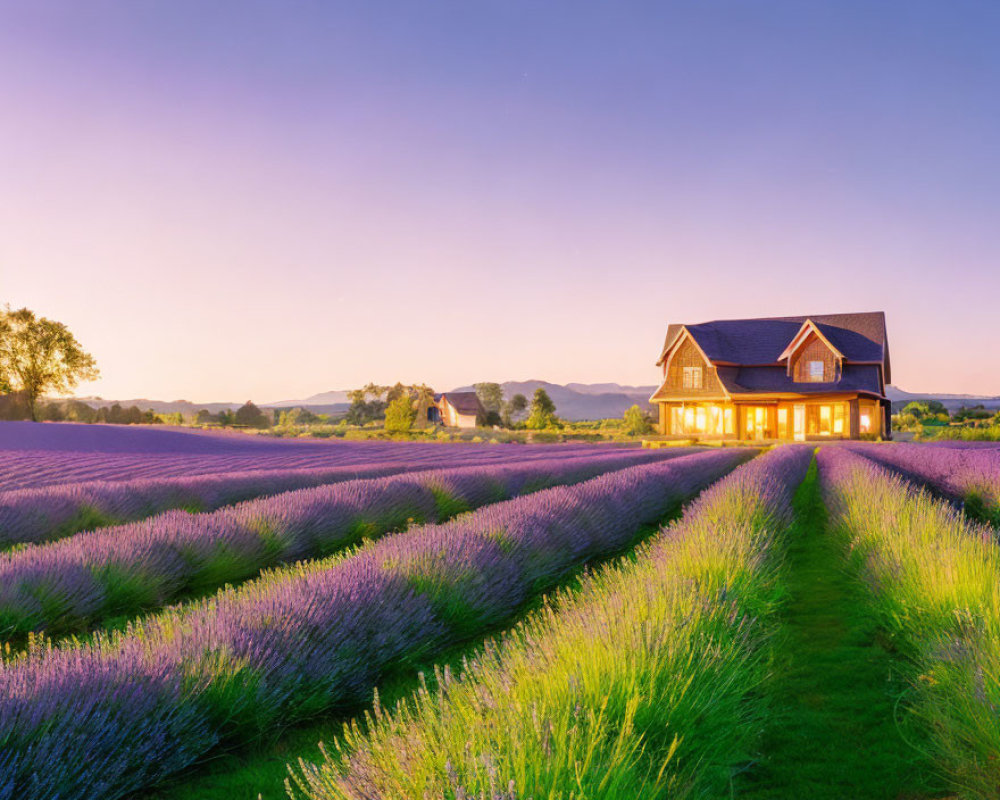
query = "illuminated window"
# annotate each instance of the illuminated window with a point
(814, 370)
(688, 419)
(825, 420)
(728, 416)
(701, 420)
(782, 423)
(838, 418)
(866, 422)
(692, 378)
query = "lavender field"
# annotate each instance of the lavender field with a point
(186, 615)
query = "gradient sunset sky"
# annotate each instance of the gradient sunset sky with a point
(232, 200)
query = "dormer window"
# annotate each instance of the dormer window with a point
(815, 371)
(691, 378)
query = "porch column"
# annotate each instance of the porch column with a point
(855, 412)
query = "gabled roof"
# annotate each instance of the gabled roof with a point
(809, 328)
(463, 402)
(860, 337)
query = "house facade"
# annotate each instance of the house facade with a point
(798, 378)
(456, 409)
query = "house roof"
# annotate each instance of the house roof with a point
(747, 352)
(861, 337)
(463, 402)
(750, 380)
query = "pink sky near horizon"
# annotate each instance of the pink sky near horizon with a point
(267, 205)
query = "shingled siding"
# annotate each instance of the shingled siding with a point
(687, 355)
(814, 350)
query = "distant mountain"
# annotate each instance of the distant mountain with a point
(335, 398)
(952, 402)
(610, 388)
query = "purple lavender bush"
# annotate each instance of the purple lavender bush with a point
(970, 475)
(54, 512)
(304, 639)
(68, 585)
(644, 682)
(109, 454)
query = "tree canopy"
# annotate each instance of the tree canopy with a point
(251, 416)
(399, 414)
(39, 355)
(543, 411)
(637, 421)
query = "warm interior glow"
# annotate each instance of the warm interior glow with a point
(708, 418)
(786, 421)
(756, 422)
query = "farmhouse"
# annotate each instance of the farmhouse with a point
(456, 409)
(822, 376)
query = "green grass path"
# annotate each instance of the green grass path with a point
(833, 731)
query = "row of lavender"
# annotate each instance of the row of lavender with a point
(106, 717)
(971, 475)
(644, 683)
(28, 469)
(69, 585)
(935, 589)
(53, 512)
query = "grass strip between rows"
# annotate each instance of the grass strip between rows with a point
(102, 719)
(73, 585)
(642, 684)
(935, 589)
(830, 732)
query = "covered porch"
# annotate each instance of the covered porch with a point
(781, 418)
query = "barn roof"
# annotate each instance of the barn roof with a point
(464, 402)
(861, 337)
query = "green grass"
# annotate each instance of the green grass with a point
(261, 768)
(834, 730)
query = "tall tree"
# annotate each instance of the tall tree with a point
(39, 355)
(362, 409)
(491, 399)
(637, 421)
(543, 411)
(514, 408)
(490, 396)
(250, 415)
(399, 414)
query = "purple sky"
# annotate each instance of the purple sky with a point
(267, 200)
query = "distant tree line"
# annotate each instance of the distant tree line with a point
(246, 416)
(917, 415)
(404, 407)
